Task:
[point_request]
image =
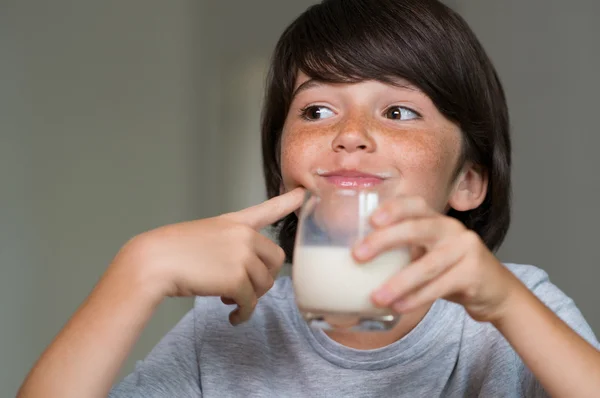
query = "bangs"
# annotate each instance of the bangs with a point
(352, 41)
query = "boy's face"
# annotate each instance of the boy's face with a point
(370, 133)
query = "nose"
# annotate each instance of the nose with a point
(353, 137)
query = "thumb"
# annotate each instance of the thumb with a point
(270, 211)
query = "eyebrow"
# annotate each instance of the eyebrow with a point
(307, 85)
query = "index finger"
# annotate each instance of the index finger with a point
(270, 211)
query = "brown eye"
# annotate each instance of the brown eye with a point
(401, 113)
(317, 113)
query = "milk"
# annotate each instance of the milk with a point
(328, 280)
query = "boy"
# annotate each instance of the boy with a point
(359, 88)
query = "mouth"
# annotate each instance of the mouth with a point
(353, 178)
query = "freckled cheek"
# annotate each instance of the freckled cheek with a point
(298, 154)
(422, 161)
(426, 166)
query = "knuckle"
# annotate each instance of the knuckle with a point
(471, 237)
(470, 293)
(280, 255)
(268, 285)
(239, 278)
(414, 228)
(456, 224)
(430, 270)
(276, 270)
(244, 255)
(230, 292)
(242, 232)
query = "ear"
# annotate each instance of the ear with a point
(470, 188)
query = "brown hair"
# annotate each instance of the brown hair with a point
(422, 41)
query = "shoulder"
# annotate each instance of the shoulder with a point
(489, 362)
(538, 282)
(530, 275)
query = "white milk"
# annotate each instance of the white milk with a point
(327, 279)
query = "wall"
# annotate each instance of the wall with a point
(99, 142)
(243, 58)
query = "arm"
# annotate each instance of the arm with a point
(86, 356)
(223, 256)
(560, 359)
(457, 266)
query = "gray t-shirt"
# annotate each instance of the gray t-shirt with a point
(276, 354)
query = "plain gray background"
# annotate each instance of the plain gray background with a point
(119, 116)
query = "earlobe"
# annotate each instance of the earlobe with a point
(470, 189)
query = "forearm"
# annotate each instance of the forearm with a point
(563, 362)
(85, 357)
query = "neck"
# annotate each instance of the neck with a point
(374, 340)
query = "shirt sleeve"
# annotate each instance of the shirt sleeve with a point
(564, 307)
(170, 370)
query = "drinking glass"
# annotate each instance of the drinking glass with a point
(332, 290)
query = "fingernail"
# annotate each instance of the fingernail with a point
(381, 218)
(362, 251)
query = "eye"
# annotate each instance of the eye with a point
(401, 113)
(316, 113)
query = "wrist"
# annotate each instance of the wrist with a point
(499, 298)
(133, 265)
(513, 302)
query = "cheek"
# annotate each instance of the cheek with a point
(299, 149)
(427, 162)
(424, 154)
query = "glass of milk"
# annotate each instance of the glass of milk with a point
(332, 290)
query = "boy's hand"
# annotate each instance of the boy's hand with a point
(455, 264)
(223, 256)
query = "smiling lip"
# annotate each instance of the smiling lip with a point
(353, 179)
